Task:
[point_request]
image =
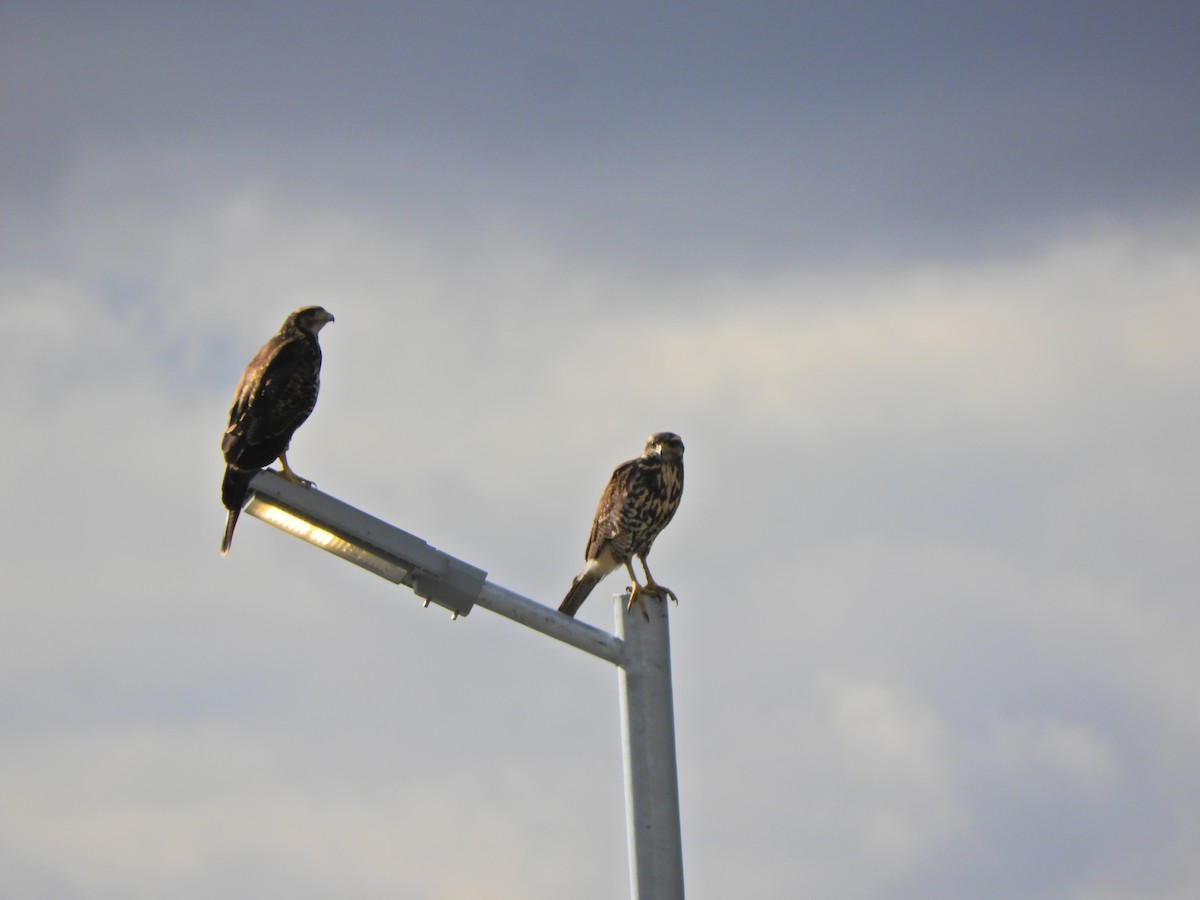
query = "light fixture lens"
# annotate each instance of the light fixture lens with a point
(286, 520)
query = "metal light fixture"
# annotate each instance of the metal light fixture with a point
(641, 652)
(371, 543)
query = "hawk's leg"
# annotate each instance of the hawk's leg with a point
(653, 587)
(292, 476)
(635, 592)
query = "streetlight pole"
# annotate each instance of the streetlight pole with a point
(648, 730)
(641, 651)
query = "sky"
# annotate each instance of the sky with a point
(919, 286)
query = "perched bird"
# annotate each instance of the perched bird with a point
(640, 499)
(277, 392)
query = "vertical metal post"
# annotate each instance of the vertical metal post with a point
(648, 730)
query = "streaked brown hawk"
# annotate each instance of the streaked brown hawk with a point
(277, 392)
(640, 499)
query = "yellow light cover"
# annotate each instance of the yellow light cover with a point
(286, 520)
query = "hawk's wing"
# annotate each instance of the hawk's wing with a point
(609, 518)
(276, 394)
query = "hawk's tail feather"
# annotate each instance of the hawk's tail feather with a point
(580, 588)
(234, 490)
(230, 522)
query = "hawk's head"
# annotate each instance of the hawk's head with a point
(664, 444)
(308, 319)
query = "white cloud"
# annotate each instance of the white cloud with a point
(168, 811)
(914, 608)
(1071, 757)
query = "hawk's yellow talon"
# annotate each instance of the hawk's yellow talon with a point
(291, 475)
(661, 592)
(635, 594)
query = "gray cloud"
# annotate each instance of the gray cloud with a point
(936, 632)
(772, 137)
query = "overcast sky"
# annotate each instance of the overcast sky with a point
(919, 286)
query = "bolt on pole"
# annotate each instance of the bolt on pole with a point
(648, 732)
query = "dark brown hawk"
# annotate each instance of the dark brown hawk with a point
(640, 499)
(277, 392)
